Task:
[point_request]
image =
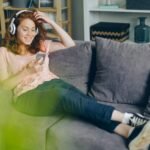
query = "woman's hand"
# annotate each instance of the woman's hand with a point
(42, 17)
(41, 65)
(34, 66)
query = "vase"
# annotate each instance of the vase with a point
(142, 31)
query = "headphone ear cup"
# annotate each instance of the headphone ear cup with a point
(37, 31)
(12, 27)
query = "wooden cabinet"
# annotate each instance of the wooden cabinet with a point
(60, 12)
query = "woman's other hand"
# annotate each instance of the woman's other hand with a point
(42, 64)
(34, 66)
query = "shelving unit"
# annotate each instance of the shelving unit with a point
(60, 9)
(2, 20)
(91, 13)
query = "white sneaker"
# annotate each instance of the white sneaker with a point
(136, 120)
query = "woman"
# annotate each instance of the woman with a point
(37, 91)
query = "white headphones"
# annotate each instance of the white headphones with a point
(12, 26)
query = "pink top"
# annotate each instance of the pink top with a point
(10, 64)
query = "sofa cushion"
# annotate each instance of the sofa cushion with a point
(122, 72)
(72, 133)
(72, 64)
(19, 131)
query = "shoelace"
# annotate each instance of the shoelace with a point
(137, 120)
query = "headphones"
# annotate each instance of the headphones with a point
(12, 26)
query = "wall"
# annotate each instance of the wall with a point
(77, 19)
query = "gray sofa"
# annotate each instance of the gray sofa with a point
(80, 66)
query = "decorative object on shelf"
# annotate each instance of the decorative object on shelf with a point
(109, 4)
(19, 3)
(30, 3)
(110, 30)
(138, 4)
(45, 3)
(142, 31)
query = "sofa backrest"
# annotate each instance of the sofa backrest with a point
(94, 69)
(73, 64)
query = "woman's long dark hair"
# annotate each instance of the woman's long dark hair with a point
(10, 41)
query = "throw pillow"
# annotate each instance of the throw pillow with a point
(73, 64)
(122, 72)
(147, 109)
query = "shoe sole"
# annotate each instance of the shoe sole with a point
(142, 141)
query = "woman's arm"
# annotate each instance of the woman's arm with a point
(6, 81)
(31, 68)
(66, 39)
(14, 80)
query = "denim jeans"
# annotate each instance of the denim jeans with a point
(57, 96)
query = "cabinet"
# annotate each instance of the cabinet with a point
(60, 12)
(91, 13)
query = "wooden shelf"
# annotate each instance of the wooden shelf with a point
(65, 22)
(40, 9)
(52, 35)
(64, 8)
(119, 10)
(2, 20)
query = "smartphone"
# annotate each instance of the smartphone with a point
(39, 56)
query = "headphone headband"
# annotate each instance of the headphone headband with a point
(21, 11)
(12, 26)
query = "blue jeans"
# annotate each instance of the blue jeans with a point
(57, 96)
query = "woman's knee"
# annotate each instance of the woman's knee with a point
(39, 104)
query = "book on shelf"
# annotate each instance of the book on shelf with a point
(30, 4)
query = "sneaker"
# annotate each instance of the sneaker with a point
(139, 139)
(135, 119)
